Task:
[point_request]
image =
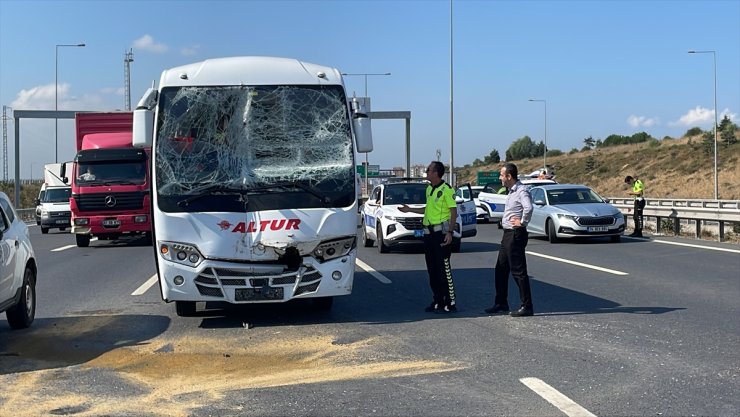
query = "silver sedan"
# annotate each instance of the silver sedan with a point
(569, 210)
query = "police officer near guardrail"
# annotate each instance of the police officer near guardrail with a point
(511, 258)
(439, 213)
(638, 188)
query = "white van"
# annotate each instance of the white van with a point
(52, 207)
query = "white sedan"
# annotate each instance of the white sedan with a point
(568, 210)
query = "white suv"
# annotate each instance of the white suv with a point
(383, 223)
(17, 268)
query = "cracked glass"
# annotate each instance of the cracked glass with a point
(248, 148)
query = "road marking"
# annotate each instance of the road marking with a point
(64, 248)
(697, 246)
(145, 286)
(380, 277)
(554, 397)
(598, 268)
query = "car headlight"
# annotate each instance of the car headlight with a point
(568, 217)
(44, 213)
(181, 253)
(334, 248)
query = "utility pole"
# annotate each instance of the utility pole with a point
(127, 60)
(5, 143)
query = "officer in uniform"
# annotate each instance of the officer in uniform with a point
(638, 188)
(440, 213)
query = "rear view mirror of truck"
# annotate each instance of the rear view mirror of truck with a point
(143, 128)
(363, 132)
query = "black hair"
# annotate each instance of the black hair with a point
(628, 179)
(439, 167)
(512, 170)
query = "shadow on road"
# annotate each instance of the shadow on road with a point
(404, 300)
(64, 341)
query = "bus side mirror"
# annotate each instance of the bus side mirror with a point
(363, 132)
(143, 128)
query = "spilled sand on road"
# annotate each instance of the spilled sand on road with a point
(179, 376)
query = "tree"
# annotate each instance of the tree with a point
(492, 158)
(727, 131)
(524, 148)
(590, 163)
(708, 143)
(477, 162)
(589, 142)
(694, 131)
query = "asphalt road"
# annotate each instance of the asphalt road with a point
(638, 328)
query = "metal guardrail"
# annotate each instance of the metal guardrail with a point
(27, 215)
(700, 211)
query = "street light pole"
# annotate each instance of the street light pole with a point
(544, 159)
(714, 59)
(367, 164)
(56, 94)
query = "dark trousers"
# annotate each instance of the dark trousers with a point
(511, 260)
(438, 266)
(637, 215)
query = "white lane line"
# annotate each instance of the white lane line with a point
(554, 397)
(380, 277)
(145, 286)
(598, 268)
(697, 246)
(64, 248)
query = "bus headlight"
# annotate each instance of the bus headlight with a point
(335, 248)
(180, 253)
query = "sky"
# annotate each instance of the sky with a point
(602, 67)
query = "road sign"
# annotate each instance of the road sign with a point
(488, 177)
(374, 170)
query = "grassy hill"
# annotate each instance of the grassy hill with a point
(670, 168)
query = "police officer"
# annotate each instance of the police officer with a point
(638, 188)
(440, 213)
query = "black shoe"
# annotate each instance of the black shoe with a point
(432, 307)
(522, 312)
(447, 309)
(497, 309)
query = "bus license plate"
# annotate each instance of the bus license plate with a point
(111, 223)
(418, 233)
(256, 294)
(598, 229)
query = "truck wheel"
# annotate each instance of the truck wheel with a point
(21, 315)
(382, 248)
(323, 303)
(83, 241)
(551, 234)
(185, 308)
(456, 244)
(44, 230)
(365, 239)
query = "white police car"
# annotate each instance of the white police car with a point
(383, 223)
(17, 268)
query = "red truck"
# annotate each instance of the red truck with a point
(110, 179)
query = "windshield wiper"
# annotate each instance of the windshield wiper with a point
(212, 189)
(326, 200)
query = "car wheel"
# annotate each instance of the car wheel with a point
(382, 248)
(615, 239)
(456, 245)
(83, 241)
(365, 239)
(44, 230)
(551, 234)
(323, 303)
(185, 308)
(21, 315)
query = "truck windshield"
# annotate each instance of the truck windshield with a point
(108, 173)
(254, 139)
(57, 195)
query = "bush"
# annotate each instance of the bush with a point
(694, 131)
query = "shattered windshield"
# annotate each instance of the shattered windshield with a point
(251, 141)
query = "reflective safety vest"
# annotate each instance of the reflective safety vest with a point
(440, 200)
(638, 187)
